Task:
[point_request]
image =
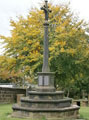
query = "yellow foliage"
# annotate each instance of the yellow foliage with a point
(29, 42)
(62, 50)
(25, 49)
(71, 51)
(56, 43)
(51, 48)
(25, 45)
(62, 43)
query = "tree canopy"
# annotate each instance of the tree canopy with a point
(68, 46)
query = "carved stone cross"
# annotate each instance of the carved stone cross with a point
(45, 67)
(46, 10)
(46, 78)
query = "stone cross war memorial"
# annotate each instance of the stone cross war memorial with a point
(46, 101)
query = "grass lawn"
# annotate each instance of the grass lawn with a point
(6, 110)
(84, 112)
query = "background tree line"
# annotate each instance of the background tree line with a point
(68, 48)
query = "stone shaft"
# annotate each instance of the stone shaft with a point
(46, 51)
(45, 67)
(45, 78)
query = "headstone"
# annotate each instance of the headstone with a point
(88, 99)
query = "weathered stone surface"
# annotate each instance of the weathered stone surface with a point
(45, 89)
(46, 95)
(26, 102)
(9, 95)
(50, 108)
(81, 102)
(66, 112)
(46, 81)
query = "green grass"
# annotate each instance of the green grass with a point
(84, 113)
(6, 110)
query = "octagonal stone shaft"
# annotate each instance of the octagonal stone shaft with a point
(45, 67)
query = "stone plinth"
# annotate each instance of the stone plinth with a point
(45, 101)
(45, 104)
(22, 112)
(46, 82)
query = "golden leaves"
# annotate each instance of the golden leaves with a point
(62, 50)
(62, 43)
(71, 51)
(29, 42)
(25, 45)
(51, 48)
(25, 49)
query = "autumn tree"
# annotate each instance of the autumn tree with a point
(68, 46)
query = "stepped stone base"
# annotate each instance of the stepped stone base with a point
(51, 105)
(46, 95)
(70, 112)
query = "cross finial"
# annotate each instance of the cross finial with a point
(46, 10)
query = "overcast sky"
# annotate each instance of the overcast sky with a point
(12, 8)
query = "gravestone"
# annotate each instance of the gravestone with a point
(46, 101)
(88, 99)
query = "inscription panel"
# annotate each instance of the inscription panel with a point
(40, 81)
(46, 80)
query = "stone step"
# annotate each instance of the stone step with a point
(16, 107)
(34, 113)
(26, 99)
(26, 102)
(46, 95)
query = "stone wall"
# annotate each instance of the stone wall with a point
(81, 102)
(9, 95)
